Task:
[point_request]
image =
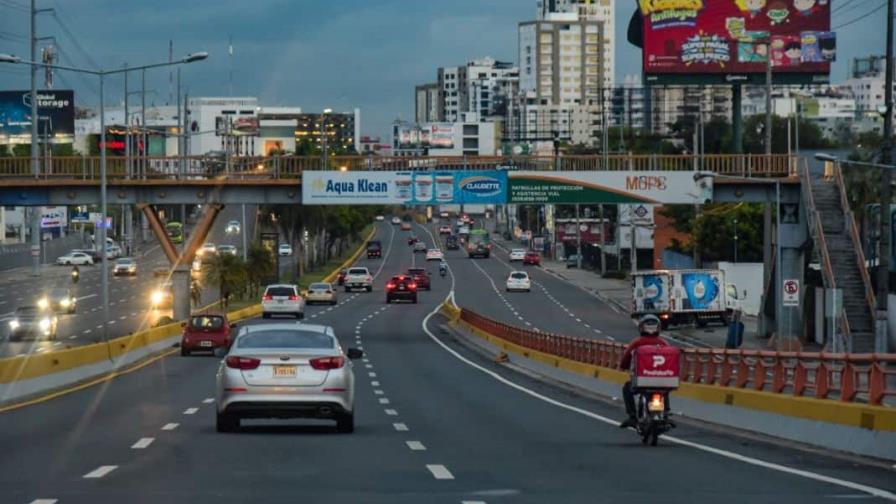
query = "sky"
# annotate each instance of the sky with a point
(316, 54)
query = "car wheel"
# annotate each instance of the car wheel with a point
(369, 288)
(333, 303)
(226, 423)
(184, 352)
(414, 300)
(300, 315)
(345, 424)
(265, 315)
(347, 289)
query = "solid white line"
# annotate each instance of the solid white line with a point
(208, 400)
(400, 427)
(44, 501)
(100, 471)
(440, 472)
(142, 443)
(877, 492)
(190, 411)
(391, 412)
(170, 426)
(415, 445)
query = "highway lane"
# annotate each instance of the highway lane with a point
(449, 432)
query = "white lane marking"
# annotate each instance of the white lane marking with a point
(472, 502)
(170, 426)
(371, 374)
(440, 472)
(122, 317)
(82, 298)
(142, 443)
(73, 337)
(378, 392)
(368, 366)
(100, 471)
(44, 501)
(400, 427)
(391, 412)
(415, 445)
(208, 400)
(877, 492)
(384, 400)
(86, 331)
(190, 411)
(374, 383)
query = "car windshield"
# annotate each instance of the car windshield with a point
(517, 251)
(416, 271)
(519, 276)
(357, 271)
(286, 339)
(124, 262)
(59, 293)
(281, 291)
(319, 286)
(207, 322)
(27, 310)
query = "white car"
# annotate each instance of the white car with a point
(380, 218)
(227, 249)
(396, 221)
(517, 254)
(518, 281)
(282, 299)
(358, 278)
(434, 255)
(284, 249)
(233, 227)
(208, 248)
(444, 230)
(125, 266)
(75, 259)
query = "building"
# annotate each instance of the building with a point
(339, 132)
(866, 85)
(470, 136)
(627, 104)
(428, 103)
(483, 86)
(373, 146)
(669, 104)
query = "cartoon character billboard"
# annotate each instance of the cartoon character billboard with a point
(726, 37)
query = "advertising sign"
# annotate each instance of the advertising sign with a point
(55, 108)
(729, 39)
(403, 188)
(570, 187)
(441, 136)
(53, 217)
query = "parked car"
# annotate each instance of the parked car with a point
(284, 249)
(125, 266)
(205, 332)
(321, 292)
(75, 259)
(282, 299)
(572, 261)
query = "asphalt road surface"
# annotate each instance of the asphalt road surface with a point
(435, 423)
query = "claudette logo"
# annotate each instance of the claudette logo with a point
(481, 185)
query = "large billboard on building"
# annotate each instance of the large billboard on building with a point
(723, 41)
(441, 135)
(570, 187)
(403, 188)
(55, 110)
(434, 136)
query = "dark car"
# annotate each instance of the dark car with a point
(532, 258)
(340, 278)
(421, 277)
(205, 332)
(401, 287)
(374, 249)
(451, 242)
(32, 321)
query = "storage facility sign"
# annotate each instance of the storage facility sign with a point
(569, 187)
(403, 188)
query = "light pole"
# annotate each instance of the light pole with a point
(7, 58)
(324, 131)
(735, 240)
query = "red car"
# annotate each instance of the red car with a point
(532, 258)
(340, 278)
(205, 332)
(421, 278)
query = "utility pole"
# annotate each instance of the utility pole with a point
(886, 194)
(768, 100)
(578, 239)
(35, 162)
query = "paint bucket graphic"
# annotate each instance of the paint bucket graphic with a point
(403, 188)
(445, 188)
(423, 188)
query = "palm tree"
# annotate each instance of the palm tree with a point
(259, 267)
(229, 273)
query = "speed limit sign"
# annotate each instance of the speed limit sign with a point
(791, 290)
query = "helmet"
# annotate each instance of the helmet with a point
(649, 325)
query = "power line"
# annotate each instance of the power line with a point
(842, 6)
(74, 40)
(14, 5)
(863, 16)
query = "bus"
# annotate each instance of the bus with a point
(175, 231)
(479, 244)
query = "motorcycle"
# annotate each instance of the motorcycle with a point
(443, 270)
(652, 415)
(75, 276)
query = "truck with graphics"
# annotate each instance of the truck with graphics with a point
(680, 297)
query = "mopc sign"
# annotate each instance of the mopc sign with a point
(403, 187)
(568, 187)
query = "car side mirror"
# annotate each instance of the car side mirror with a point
(354, 353)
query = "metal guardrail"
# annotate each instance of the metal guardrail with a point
(291, 167)
(846, 377)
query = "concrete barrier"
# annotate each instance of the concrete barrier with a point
(854, 428)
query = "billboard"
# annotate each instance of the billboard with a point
(731, 40)
(570, 187)
(55, 108)
(434, 136)
(441, 135)
(403, 188)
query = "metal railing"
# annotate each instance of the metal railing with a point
(832, 376)
(291, 167)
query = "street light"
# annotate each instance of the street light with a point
(8, 58)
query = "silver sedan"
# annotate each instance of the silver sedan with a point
(286, 370)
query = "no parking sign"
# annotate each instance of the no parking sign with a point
(791, 290)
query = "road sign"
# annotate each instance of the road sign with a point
(791, 295)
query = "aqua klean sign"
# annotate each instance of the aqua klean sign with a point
(403, 187)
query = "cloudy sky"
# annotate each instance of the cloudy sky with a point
(317, 53)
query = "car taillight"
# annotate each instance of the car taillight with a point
(243, 363)
(267, 297)
(412, 286)
(390, 286)
(325, 363)
(369, 278)
(293, 298)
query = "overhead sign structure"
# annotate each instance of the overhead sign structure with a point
(570, 187)
(55, 110)
(791, 296)
(403, 188)
(730, 41)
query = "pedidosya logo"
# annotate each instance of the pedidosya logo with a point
(481, 185)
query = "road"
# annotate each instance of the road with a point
(435, 422)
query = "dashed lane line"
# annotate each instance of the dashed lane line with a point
(208, 400)
(100, 472)
(400, 427)
(190, 411)
(391, 412)
(415, 445)
(440, 472)
(169, 426)
(142, 443)
(44, 501)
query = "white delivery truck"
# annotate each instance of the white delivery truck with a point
(684, 296)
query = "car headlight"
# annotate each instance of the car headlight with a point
(14, 324)
(44, 324)
(65, 303)
(156, 297)
(43, 303)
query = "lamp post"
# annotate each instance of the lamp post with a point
(8, 58)
(735, 240)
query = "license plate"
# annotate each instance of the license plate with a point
(279, 302)
(205, 343)
(284, 371)
(401, 288)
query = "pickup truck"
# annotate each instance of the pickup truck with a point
(374, 249)
(358, 278)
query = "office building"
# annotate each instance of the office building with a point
(428, 104)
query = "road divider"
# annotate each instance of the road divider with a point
(754, 391)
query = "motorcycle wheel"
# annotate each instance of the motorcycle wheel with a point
(654, 437)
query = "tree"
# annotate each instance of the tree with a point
(259, 267)
(811, 136)
(228, 272)
(712, 230)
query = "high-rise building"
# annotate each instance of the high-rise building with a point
(866, 84)
(428, 103)
(483, 86)
(340, 131)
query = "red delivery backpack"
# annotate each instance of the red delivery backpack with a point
(656, 367)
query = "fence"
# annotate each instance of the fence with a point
(867, 378)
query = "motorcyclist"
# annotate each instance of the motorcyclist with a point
(649, 330)
(76, 273)
(443, 268)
